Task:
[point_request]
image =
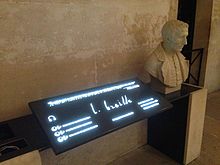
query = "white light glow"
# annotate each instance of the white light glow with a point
(122, 116)
(62, 138)
(132, 87)
(150, 106)
(55, 128)
(51, 118)
(78, 126)
(145, 101)
(77, 121)
(82, 131)
(122, 102)
(93, 109)
(59, 133)
(149, 103)
(89, 94)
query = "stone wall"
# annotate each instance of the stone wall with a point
(212, 77)
(51, 47)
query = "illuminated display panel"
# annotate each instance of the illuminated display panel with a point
(76, 118)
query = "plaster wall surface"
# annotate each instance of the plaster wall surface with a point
(212, 77)
(51, 47)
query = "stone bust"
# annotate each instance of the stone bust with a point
(166, 63)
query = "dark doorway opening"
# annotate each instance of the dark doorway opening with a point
(187, 13)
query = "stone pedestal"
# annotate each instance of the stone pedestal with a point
(178, 131)
(195, 123)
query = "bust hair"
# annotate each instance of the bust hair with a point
(172, 27)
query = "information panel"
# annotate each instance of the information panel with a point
(76, 118)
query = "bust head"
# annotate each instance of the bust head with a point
(174, 35)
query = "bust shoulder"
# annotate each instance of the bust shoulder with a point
(154, 62)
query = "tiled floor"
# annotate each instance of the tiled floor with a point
(210, 154)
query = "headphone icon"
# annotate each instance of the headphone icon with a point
(51, 118)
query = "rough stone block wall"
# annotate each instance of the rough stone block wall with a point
(51, 47)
